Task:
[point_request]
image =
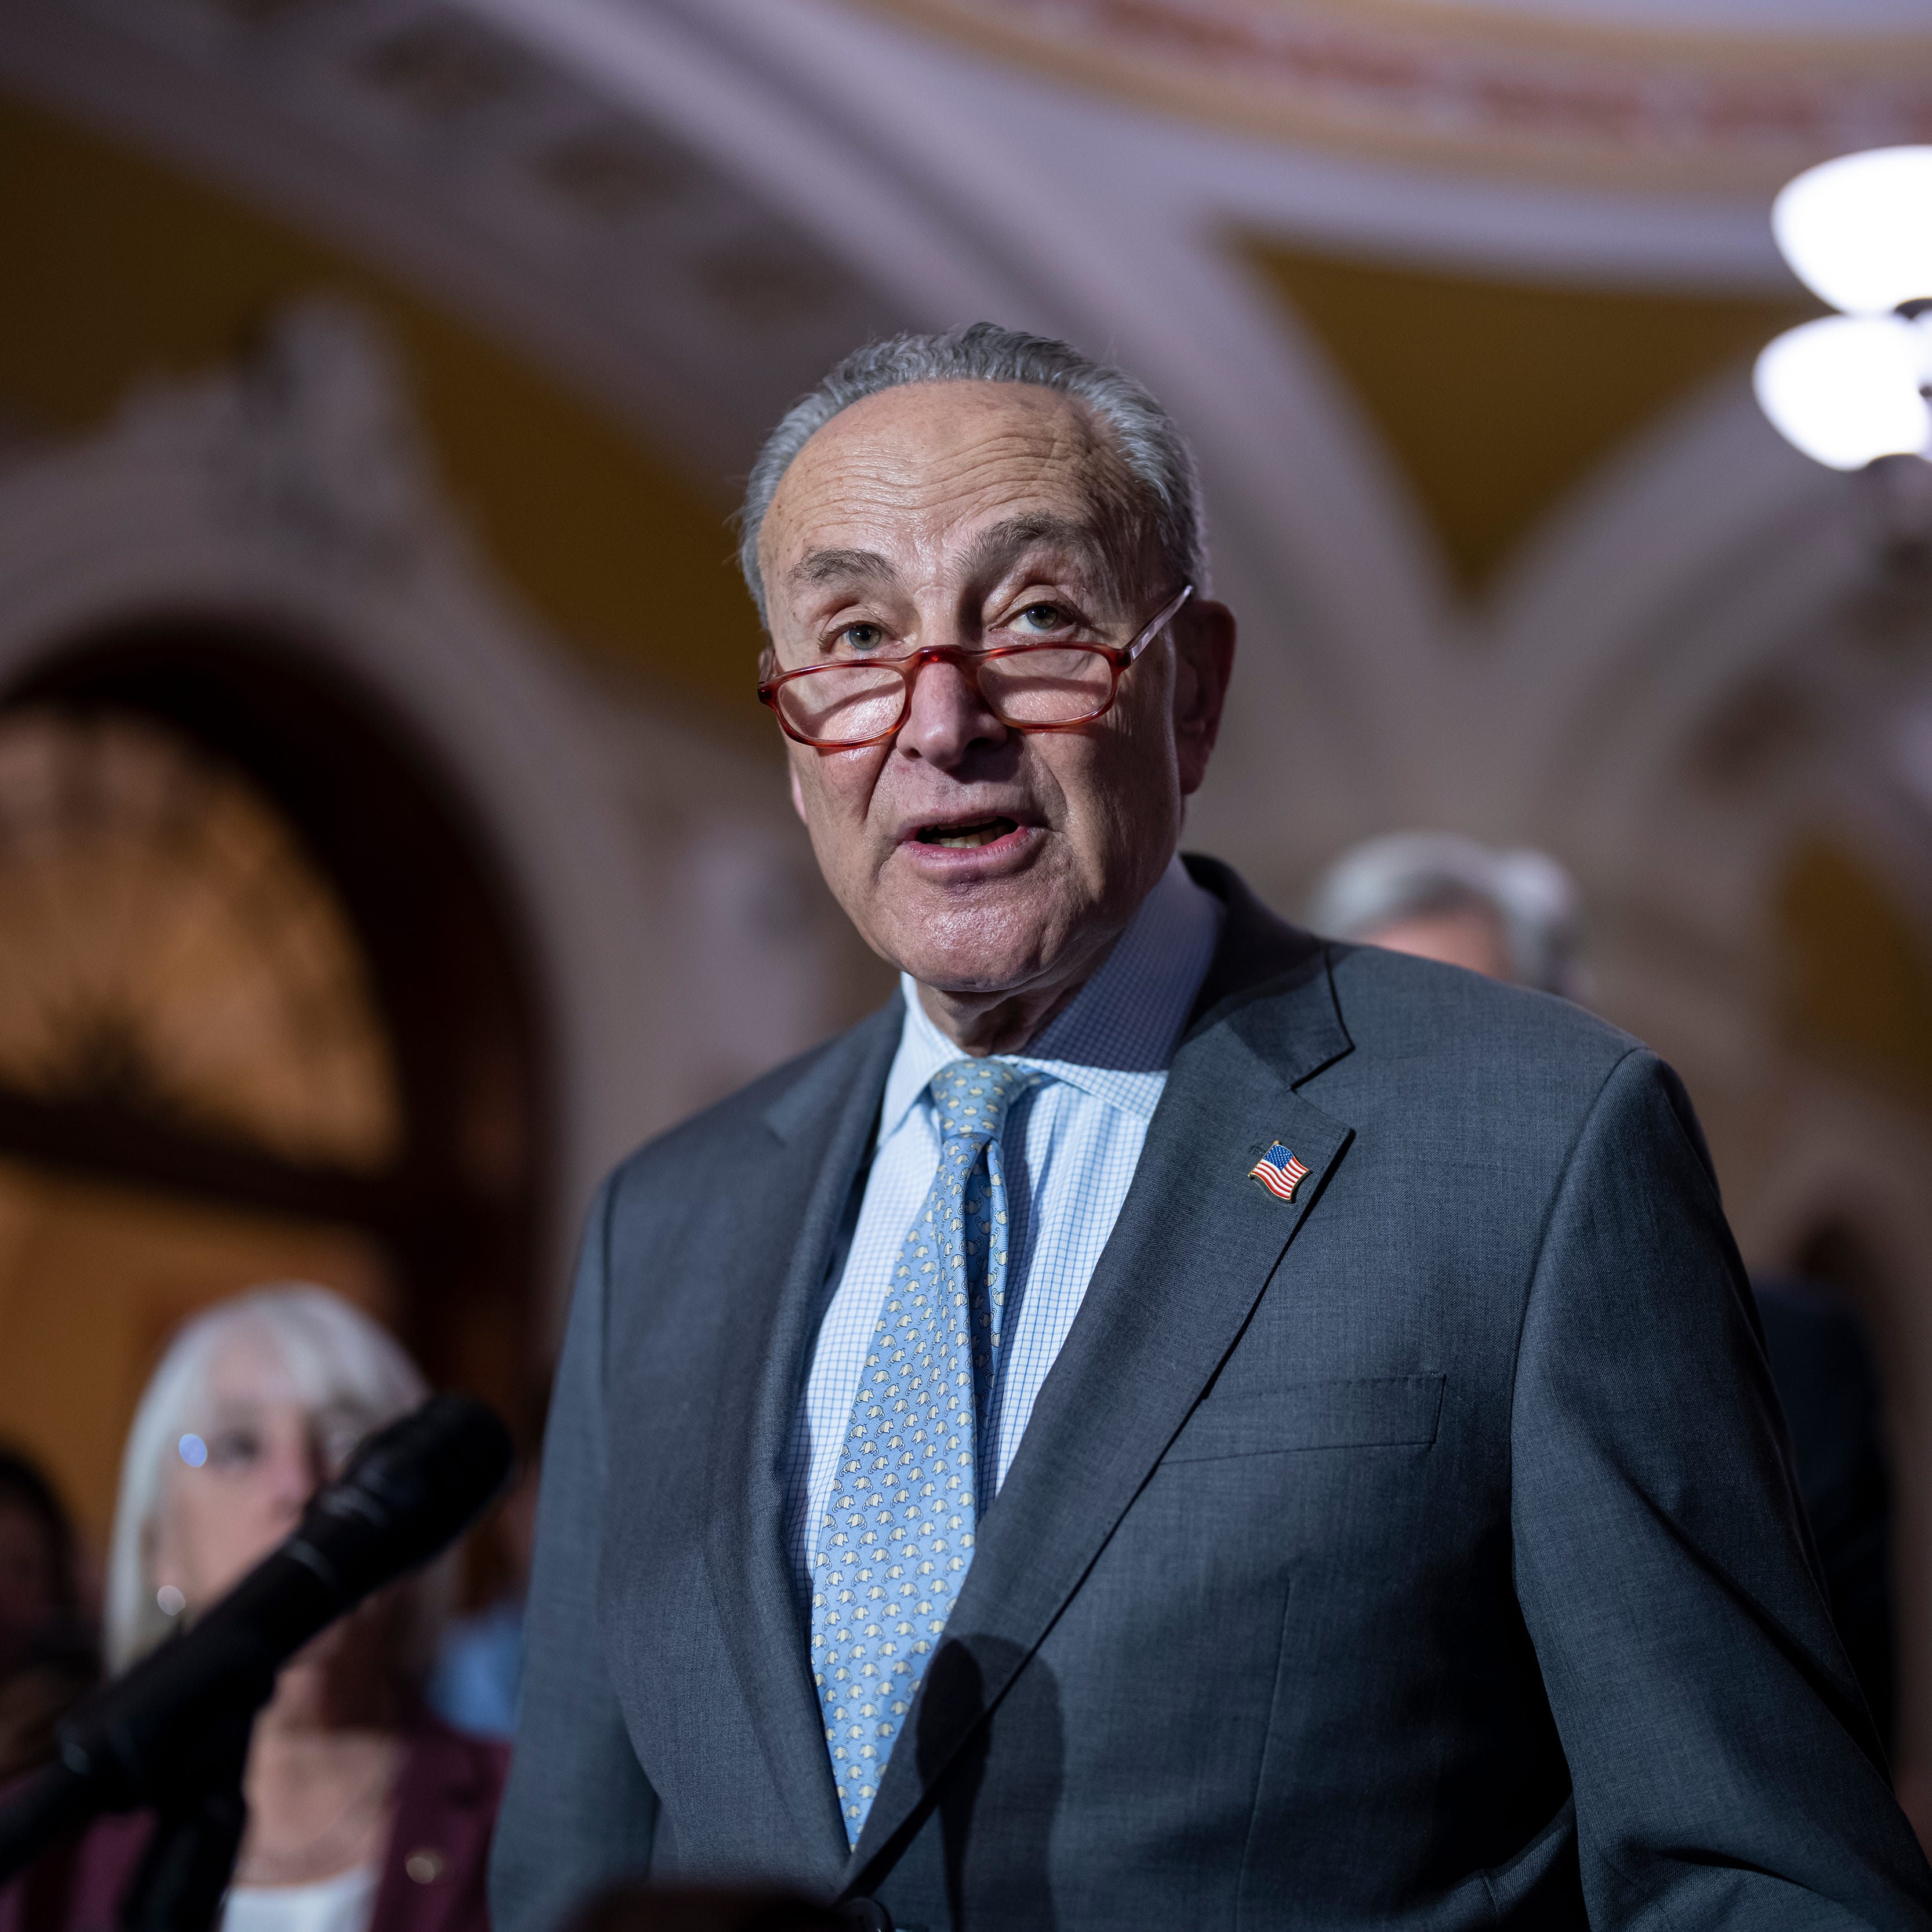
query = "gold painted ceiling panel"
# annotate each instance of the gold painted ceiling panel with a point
(1496, 398)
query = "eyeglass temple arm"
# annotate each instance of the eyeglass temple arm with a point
(1163, 617)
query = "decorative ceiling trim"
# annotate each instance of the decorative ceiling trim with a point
(1680, 32)
(518, 190)
(1505, 96)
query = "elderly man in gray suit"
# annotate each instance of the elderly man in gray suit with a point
(1171, 1423)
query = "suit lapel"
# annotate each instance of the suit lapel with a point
(1195, 1244)
(823, 1128)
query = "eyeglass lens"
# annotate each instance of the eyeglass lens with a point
(850, 703)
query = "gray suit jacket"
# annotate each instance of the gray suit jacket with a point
(1422, 1554)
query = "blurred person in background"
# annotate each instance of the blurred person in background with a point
(1821, 1362)
(477, 1684)
(365, 1813)
(49, 1658)
(1509, 915)
(1516, 915)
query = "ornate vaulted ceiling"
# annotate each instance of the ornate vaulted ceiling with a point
(682, 212)
(1457, 301)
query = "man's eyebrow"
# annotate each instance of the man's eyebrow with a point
(996, 546)
(825, 566)
(992, 551)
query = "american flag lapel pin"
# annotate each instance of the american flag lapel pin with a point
(1279, 1172)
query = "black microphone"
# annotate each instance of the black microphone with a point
(179, 1718)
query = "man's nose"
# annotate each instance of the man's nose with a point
(947, 716)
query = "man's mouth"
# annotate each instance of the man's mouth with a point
(965, 837)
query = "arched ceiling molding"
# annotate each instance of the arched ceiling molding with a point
(735, 97)
(1711, 500)
(1123, 215)
(1621, 775)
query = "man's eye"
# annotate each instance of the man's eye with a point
(1041, 618)
(861, 637)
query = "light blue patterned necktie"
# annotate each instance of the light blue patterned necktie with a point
(896, 1538)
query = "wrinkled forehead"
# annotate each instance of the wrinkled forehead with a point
(917, 475)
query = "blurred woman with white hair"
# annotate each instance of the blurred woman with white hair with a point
(365, 1813)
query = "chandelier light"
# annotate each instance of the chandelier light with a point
(1858, 231)
(1853, 388)
(1846, 388)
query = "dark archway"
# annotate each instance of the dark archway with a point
(459, 1206)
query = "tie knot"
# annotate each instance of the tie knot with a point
(972, 1097)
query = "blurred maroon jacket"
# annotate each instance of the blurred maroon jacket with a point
(433, 1873)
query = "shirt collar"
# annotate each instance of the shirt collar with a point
(1115, 1038)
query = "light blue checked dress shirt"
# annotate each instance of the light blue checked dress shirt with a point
(1070, 1146)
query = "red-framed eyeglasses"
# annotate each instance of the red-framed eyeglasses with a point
(1045, 687)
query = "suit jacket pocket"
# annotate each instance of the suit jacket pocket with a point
(1375, 1412)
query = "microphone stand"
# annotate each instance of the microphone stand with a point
(183, 1876)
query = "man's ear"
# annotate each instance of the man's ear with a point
(1204, 662)
(791, 778)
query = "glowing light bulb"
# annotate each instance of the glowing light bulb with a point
(1846, 389)
(1858, 230)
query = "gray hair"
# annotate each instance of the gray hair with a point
(1147, 439)
(333, 1354)
(1408, 874)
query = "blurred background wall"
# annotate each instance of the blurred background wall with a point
(389, 836)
